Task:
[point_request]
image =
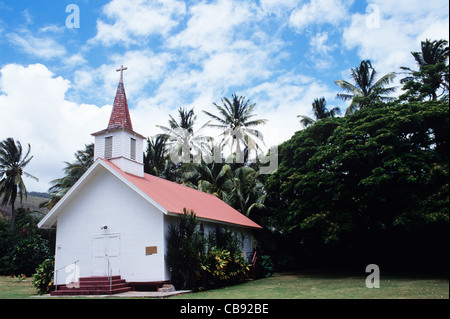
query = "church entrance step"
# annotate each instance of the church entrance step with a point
(99, 285)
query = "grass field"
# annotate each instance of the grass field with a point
(294, 286)
(11, 288)
(302, 286)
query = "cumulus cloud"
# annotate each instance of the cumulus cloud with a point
(282, 99)
(34, 110)
(41, 47)
(278, 7)
(319, 12)
(213, 26)
(127, 21)
(402, 25)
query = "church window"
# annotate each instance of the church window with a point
(108, 147)
(133, 149)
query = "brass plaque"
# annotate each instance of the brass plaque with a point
(151, 250)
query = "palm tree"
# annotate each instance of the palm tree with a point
(12, 165)
(182, 138)
(156, 155)
(247, 192)
(236, 121)
(365, 90)
(319, 107)
(73, 171)
(433, 70)
(213, 178)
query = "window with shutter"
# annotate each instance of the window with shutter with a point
(108, 147)
(133, 149)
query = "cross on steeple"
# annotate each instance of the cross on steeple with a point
(121, 69)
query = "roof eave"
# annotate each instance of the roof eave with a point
(117, 129)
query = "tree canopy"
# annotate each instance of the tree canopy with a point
(346, 181)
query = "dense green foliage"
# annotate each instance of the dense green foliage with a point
(367, 184)
(203, 261)
(22, 251)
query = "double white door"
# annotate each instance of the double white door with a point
(106, 255)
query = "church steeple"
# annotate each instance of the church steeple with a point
(118, 142)
(120, 115)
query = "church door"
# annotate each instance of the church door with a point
(106, 255)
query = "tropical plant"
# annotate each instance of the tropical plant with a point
(43, 278)
(432, 79)
(12, 165)
(186, 245)
(319, 107)
(73, 171)
(236, 122)
(365, 89)
(220, 267)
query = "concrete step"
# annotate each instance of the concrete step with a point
(99, 285)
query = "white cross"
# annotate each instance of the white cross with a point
(121, 69)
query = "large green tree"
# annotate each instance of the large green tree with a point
(12, 165)
(371, 183)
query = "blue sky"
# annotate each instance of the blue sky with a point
(57, 84)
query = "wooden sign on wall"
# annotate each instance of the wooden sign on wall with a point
(150, 250)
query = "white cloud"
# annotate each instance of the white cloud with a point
(34, 110)
(41, 47)
(74, 60)
(52, 28)
(402, 25)
(281, 100)
(133, 20)
(214, 26)
(145, 68)
(278, 7)
(319, 12)
(318, 43)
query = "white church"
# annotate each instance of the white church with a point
(112, 225)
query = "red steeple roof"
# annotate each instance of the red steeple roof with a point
(120, 115)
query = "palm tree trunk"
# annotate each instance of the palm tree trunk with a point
(12, 216)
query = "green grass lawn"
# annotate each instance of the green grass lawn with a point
(303, 286)
(293, 286)
(11, 288)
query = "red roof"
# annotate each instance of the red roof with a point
(120, 115)
(174, 197)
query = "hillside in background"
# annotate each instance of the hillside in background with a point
(32, 202)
